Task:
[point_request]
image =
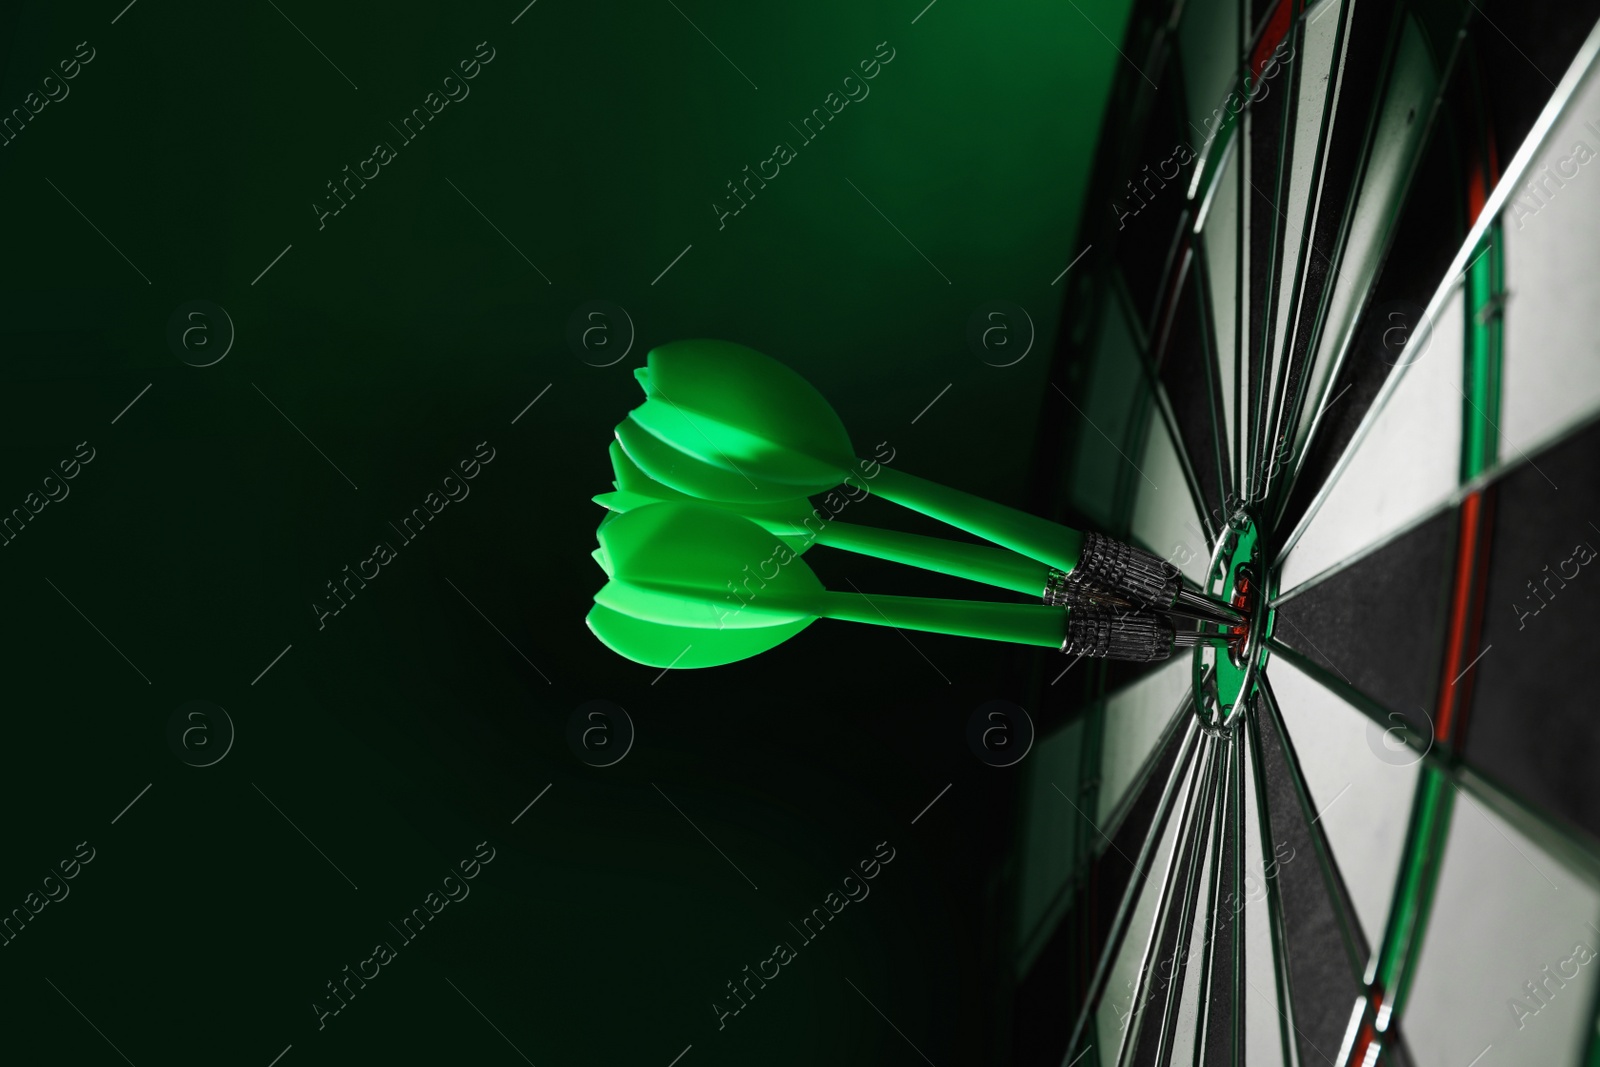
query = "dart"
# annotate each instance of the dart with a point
(722, 422)
(680, 593)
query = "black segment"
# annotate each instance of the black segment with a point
(1051, 997)
(1149, 203)
(1162, 984)
(1524, 50)
(1379, 624)
(1186, 369)
(1322, 983)
(1432, 225)
(1533, 724)
(1224, 1013)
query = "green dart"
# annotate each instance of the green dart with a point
(722, 422)
(680, 594)
(799, 526)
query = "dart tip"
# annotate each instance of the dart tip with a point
(1201, 606)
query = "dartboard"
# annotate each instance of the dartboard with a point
(1336, 355)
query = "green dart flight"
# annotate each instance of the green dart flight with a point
(722, 422)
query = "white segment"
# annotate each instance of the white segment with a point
(1407, 463)
(1263, 1019)
(1165, 519)
(1405, 108)
(1361, 780)
(1504, 910)
(1551, 377)
(1135, 719)
(1316, 59)
(1122, 1000)
(1219, 240)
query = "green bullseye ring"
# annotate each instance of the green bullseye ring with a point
(1225, 679)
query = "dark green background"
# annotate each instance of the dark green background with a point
(396, 339)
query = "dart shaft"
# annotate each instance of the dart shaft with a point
(980, 563)
(1026, 624)
(1039, 539)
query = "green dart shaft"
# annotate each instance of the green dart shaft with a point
(1048, 542)
(1027, 624)
(979, 563)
